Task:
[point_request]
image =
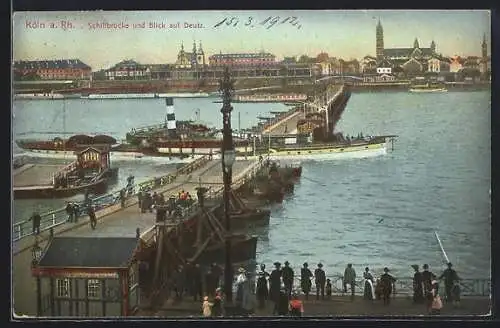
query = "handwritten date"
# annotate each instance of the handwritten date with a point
(251, 22)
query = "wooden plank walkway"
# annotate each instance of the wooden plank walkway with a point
(35, 175)
(112, 221)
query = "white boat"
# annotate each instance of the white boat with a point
(38, 96)
(422, 88)
(145, 95)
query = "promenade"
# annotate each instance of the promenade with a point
(112, 221)
(338, 306)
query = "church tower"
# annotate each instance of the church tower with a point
(379, 41)
(194, 56)
(484, 47)
(415, 44)
(433, 47)
(201, 56)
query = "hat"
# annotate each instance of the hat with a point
(205, 298)
(434, 282)
(320, 265)
(367, 269)
(305, 264)
(449, 264)
(218, 289)
(414, 266)
(286, 262)
(386, 269)
(426, 266)
(277, 263)
(241, 270)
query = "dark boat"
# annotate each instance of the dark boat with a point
(242, 215)
(90, 173)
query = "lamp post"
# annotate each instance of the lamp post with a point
(36, 253)
(226, 88)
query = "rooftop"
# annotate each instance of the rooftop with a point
(51, 64)
(90, 252)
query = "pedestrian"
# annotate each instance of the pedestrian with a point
(368, 290)
(69, 211)
(328, 289)
(456, 294)
(240, 280)
(386, 281)
(262, 290)
(427, 277)
(350, 279)
(450, 276)
(155, 198)
(140, 197)
(36, 218)
(217, 307)
(92, 217)
(76, 212)
(281, 306)
(320, 280)
(287, 275)
(197, 282)
(296, 307)
(418, 286)
(275, 282)
(206, 307)
(122, 198)
(305, 280)
(437, 303)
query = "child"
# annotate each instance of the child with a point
(206, 307)
(456, 294)
(328, 289)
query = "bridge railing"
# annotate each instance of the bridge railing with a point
(57, 217)
(404, 286)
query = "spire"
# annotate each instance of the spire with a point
(194, 47)
(433, 46)
(484, 47)
(200, 49)
(415, 44)
(182, 46)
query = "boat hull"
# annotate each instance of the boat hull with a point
(243, 249)
(44, 192)
(428, 90)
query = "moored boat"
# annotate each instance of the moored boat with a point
(427, 87)
(90, 173)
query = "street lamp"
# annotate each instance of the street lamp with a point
(36, 253)
(226, 88)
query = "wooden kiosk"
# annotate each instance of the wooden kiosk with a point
(88, 277)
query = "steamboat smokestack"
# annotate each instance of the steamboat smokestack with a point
(171, 123)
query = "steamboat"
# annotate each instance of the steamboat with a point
(427, 87)
(314, 136)
(91, 172)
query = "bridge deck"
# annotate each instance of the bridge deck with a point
(112, 221)
(124, 223)
(35, 175)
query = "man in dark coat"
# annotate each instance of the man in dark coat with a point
(140, 197)
(36, 218)
(275, 282)
(305, 280)
(450, 277)
(92, 217)
(427, 281)
(122, 198)
(69, 211)
(262, 290)
(320, 280)
(387, 281)
(418, 287)
(197, 282)
(287, 275)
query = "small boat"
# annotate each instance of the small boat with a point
(428, 87)
(90, 173)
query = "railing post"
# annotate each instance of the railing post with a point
(53, 218)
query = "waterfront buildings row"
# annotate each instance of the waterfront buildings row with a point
(388, 62)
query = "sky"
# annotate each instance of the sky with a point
(342, 34)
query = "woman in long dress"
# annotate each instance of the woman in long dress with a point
(368, 292)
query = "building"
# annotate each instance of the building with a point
(128, 70)
(368, 65)
(61, 69)
(191, 60)
(88, 277)
(485, 62)
(379, 41)
(456, 64)
(243, 59)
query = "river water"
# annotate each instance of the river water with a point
(374, 212)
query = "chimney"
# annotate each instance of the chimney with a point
(171, 122)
